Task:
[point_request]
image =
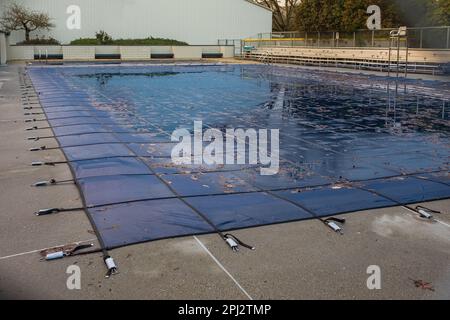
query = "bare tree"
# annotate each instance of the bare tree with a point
(17, 17)
(283, 13)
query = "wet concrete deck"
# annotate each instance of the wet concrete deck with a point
(302, 260)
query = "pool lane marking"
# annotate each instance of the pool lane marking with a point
(39, 250)
(223, 268)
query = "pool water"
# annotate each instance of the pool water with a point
(348, 142)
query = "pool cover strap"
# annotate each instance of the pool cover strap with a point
(232, 240)
(425, 213)
(422, 211)
(44, 212)
(331, 222)
(69, 251)
(52, 182)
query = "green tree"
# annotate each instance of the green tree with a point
(319, 15)
(439, 13)
(343, 15)
(414, 13)
(423, 13)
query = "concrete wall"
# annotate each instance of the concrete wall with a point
(87, 53)
(228, 51)
(188, 52)
(78, 52)
(20, 53)
(2, 48)
(135, 52)
(196, 22)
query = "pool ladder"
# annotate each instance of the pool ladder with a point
(395, 37)
(266, 58)
(46, 56)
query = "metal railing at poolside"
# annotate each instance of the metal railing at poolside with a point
(287, 47)
(418, 38)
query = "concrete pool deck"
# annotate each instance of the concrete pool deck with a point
(302, 260)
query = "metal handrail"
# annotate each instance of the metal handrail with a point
(421, 39)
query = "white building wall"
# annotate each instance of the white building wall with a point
(3, 56)
(193, 21)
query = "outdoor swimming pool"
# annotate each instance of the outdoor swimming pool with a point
(348, 142)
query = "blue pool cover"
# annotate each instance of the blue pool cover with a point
(347, 143)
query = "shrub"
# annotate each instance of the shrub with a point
(85, 41)
(39, 41)
(150, 42)
(102, 38)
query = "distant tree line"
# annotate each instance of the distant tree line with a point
(350, 15)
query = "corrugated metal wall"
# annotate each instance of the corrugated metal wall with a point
(192, 21)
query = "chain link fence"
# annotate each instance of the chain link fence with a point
(418, 38)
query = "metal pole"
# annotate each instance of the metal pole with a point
(389, 59)
(443, 109)
(318, 39)
(306, 39)
(448, 37)
(421, 38)
(417, 105)
(354, 39)
(407, 58)
(373, 38)
(398, 56)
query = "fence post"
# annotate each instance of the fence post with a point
(373, 38)
(354, 39)
(448, 37)
(306, 39)
(421, 38)
(318, 39)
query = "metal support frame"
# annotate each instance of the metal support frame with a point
(448, 37)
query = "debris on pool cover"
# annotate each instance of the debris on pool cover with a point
(346, 144)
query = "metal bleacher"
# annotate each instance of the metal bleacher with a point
(363, 59)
